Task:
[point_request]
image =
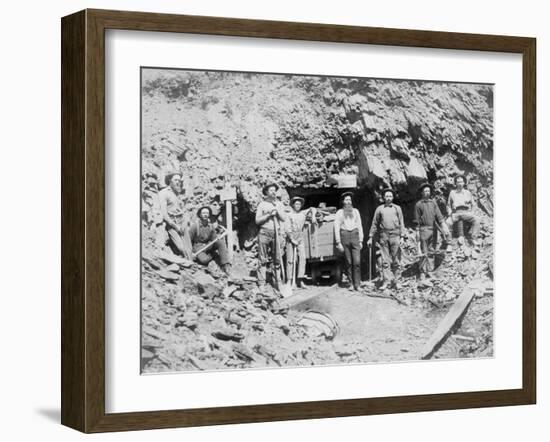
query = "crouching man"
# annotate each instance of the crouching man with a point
(429, 221)
(388, 227)
(459, 207)
(203, 239)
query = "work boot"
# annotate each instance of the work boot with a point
(299, 283)
(396, 284)
(384, 286)
(461, 240)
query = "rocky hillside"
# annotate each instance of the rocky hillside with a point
(248, 129)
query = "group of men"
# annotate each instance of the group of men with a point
(388, 225)
(281, 231)
(202, 240)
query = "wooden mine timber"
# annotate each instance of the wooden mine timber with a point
(453, 316)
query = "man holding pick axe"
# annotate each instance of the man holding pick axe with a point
(269, 216)
(429, 220)
(389, 228)
(207, 241)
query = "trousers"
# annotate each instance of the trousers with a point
(352, 255)
(179, 244)
(390, 250)
(208, 255)
(266, 253)
(464, 216)
(300, 255)
(428, 244)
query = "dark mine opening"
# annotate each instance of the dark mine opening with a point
(363, 199)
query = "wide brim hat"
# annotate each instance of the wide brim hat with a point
(389, 189)
(267, 186)
(460, 175)
(201, 209)
(424, 185)
(297, 198)
(350, 194)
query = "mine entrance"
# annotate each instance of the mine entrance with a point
(328, 198)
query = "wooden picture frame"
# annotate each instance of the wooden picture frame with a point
(83, 220)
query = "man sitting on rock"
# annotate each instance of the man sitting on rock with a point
(171, 209)
(203, 239)
(429, 220)
(270, 214)
(389, 228)
(459, 208)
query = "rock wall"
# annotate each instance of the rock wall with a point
(249, 129)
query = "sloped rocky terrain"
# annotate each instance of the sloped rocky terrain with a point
(246, 130)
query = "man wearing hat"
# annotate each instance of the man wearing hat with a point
(269, 215)
(459, 208)
(171, 209)
(202, 233)
(428, 220)
(295, 247)
(348, 234)
(388, 226)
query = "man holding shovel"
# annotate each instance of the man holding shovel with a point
(295, 247)
(428, 220)
(269, 216)
(206, 241)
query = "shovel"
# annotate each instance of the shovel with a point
(292, 282)
(285, 289)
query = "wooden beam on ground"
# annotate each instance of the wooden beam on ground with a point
(453, 316)
(229, 222)
(300, 298)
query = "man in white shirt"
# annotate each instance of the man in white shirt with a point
(460, 209)
(348, 234)
(171, 209)
(269, 213)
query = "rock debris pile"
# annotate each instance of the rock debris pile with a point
(195, 318)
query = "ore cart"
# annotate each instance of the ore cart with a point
(321, 254)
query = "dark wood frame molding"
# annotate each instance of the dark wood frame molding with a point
(83, 217)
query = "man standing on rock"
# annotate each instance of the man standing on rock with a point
(389, 228)
(429, 220)
(295, 247)
(459, 207)
(269, 216)
(172, 213)
(203, 233)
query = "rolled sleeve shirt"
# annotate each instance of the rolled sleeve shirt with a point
(347, 220)
(462, 199)
(266, 207)
(387, 217)
(427, 213)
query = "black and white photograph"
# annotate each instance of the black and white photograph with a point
(292, 220)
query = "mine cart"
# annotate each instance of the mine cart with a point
(321, 254)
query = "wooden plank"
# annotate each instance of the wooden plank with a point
(229, 222)
(73, 205)
(450, 320)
